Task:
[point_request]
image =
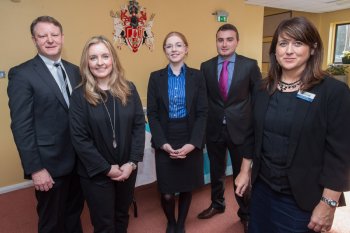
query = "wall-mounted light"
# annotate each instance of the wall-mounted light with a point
(221, 16)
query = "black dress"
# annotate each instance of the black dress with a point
(179, 175)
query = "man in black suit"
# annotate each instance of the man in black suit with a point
(39, 91)
(230, 79)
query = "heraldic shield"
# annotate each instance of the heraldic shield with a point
(134, 37)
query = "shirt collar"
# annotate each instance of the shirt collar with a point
(182, 72)
(232, 59)
(49, 62)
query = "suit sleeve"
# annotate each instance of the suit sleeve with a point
(336, 170)
(158, 136)
(21, 103)
(82, 139)
(255, 76)
(247, 148)
(199, 127)
(138, 129)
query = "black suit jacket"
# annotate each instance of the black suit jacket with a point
(237, 109)
(319, 148)
(91, 138)
(40, 119)
(158, 106)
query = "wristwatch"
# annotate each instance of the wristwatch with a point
(330, 202)
(133, 165)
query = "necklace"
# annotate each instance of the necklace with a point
(284, 86)
(114, 142)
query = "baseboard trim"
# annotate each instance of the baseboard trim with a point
(15, 187)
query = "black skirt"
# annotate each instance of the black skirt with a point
(179, 175)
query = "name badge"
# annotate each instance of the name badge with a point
(308, 96)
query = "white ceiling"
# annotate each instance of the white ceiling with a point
(314, 6)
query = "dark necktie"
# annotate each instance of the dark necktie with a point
(223, 80)
(63, 80)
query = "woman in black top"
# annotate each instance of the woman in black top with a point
(177, 112)
(301, 164)
(108, 132)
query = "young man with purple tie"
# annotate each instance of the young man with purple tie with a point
(230, 80)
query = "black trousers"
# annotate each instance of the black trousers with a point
(109, 202)
(59, 209)
(217, 153)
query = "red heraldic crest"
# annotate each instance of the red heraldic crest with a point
(131, 27)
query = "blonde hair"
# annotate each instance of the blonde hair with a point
(119, 86)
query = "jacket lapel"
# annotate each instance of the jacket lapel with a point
(189, 80)
(46, 76)
(214, 80)
(302, 109)
(261, 104)
(104, 126)
(238, 67)
(71, 74)
(164, 87)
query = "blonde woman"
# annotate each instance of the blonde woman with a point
(107, 127)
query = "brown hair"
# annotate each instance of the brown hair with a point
(228, 27)
(301, 29)
(119, 86)
(45, 19)
(174, 33)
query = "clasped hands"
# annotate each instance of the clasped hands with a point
(180, 153)
(120, 173)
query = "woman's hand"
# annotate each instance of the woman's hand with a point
(126, 170)
(323, 214)
(322, 217)
(167, 148)
(242, 181)
(182, 152)
(115, 172)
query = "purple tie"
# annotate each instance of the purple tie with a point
(223, 80)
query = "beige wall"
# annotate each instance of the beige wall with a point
(84, 18)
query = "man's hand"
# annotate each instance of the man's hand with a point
(42, 180)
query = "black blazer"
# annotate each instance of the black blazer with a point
(237, 108)
(319, 148)
(40, 119)
(91, 139)
(158, 106)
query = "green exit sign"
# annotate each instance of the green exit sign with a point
(222, 18)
